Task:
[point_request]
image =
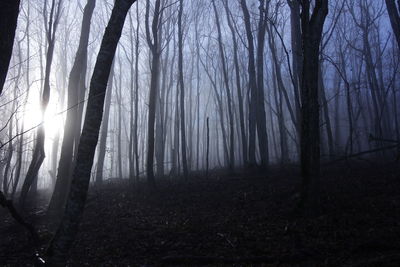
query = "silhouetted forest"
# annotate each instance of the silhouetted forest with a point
(206, 133)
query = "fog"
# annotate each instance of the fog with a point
(358, 79)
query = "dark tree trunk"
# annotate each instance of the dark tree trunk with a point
(394, 15)
(9, 10)
(65, 235)
(78, 73)
(310, 138)
(238, 85)
(135, 124)
(119, 119)
(261, 117)
(252, 85)
(155, 73)
(207, 146)
(182, 90)
(297, 56)
(228, 93)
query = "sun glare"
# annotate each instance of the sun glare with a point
(53, 122)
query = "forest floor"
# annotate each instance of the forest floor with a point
(232, 220)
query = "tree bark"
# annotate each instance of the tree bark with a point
(252, 85)
(78, 73)
(394, 15)
(154, 81)
(64, 237)
(310, 138)
(9, 10)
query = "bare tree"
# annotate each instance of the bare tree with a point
(228, 91)
(65, 235)
(182, 90)
(51, 23)
(260, 113)
(257, 117)
(311, 34)
(238, 83)
(154, 44)
(76, 79)
(252, 84)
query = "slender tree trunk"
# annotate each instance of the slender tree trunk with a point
(297, 57)
(10, 152)
(155, 69)
(119, 128)
(279, 91)
(182, 90)
(207, 146)
(104, 129)
(161, 110)
(78, 73)
(325, 108)
(238, 85)
(228, 93)
(261, 117)
(198, 99)
(135, 131)
(38, 152)
(21, 138)
(131, 150)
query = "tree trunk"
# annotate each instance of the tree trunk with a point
(325, 108)
(119, 118)
(104, 129)
(9, 10)
(297, 56)
(39, 153)
(394, 15)
(135, 124)
(238, 85)
(65, 235)
(78, 73)
(21, 138)
(207, 146)
(182, 90)
(310, 137)
(154, 81)
(261, 117)
(228, 93)
(252, 85)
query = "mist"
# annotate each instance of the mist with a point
(149, 93)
